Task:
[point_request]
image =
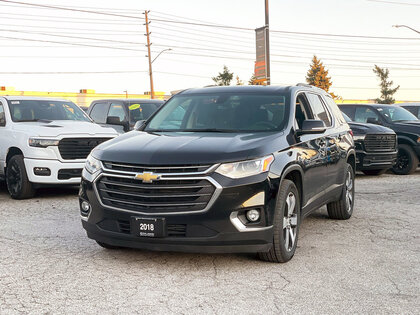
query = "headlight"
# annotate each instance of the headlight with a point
(42, 143)
(92, 165)
(359, 137)
(245, 168)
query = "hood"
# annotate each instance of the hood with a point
(61, 128)
(412, 127)
(171, 148)
(363, 128)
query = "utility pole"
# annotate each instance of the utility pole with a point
(152, 91)
(267, 42)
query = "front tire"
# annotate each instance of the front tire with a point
(17, 181)
(374, 172)
(407, 160)
(286, 224)
(342, 209)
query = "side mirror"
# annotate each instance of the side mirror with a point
(139, 125)
(115, 120)
(372, 120)
(311, 126)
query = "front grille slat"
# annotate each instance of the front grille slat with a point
(78, 148)
(165, 195)
(380, 142)
(131, 168)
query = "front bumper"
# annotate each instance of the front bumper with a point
(216, 230)
(371, 161)
(56, 167)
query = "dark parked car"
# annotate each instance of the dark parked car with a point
(404, 123)
(122, 114)
(376, 147)
(413, 108)
(222, 169)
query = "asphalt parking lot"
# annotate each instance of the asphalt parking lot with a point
(369, 264)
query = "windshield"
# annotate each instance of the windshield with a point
(221, 112)
(34, 110)
(141, 111)
(346, 118)
(393, 113)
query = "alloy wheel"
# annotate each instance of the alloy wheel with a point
(402, 160)
(14, 178)
(290, 222)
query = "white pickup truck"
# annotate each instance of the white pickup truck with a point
(44, 141)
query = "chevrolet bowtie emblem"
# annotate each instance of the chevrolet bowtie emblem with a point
(147, 177)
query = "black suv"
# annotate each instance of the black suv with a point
(413, 108)
(376, 147)
(222, 169)
(122, 114)
(405, 125)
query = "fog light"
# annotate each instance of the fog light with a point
(42, 171)
(253, 215)
(85, 206)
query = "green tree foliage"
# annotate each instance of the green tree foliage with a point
(224, 78)
(386, 91)
(317, 76)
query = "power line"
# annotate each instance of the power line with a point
(71, 9)
(394, 2)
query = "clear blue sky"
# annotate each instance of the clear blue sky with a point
(198, 53)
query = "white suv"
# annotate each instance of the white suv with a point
(44, 141)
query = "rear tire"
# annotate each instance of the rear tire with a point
(374, 172)
(407, 160)
(343, 208)
(107, 246)
(17, 181)
(286, 224)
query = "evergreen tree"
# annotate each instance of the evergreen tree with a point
(224, 78)
(317, 76)
(386, 91)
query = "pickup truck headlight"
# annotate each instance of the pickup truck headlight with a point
(245, 168)
(92, 165)
(359, 137)
(42, 143)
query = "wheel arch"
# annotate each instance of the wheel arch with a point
(11, 152)
(351, 159)
(295, 174)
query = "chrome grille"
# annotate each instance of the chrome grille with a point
(134, 168)
(162, 196)
(380, 142)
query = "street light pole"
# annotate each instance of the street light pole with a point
(167, 49)
(410, 28)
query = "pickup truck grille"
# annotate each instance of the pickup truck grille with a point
(380, 143)
(78, 148)
(161, 196)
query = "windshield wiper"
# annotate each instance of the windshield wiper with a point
(37, 120)
(207, 130)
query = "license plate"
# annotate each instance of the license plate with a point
(148, 227)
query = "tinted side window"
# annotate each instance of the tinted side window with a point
(318, 109)
(348, 110)
(99, 112)
(2, 116)
(335, 110)
(363, 113)
(117, 110)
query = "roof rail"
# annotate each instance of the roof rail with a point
(309, 86)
